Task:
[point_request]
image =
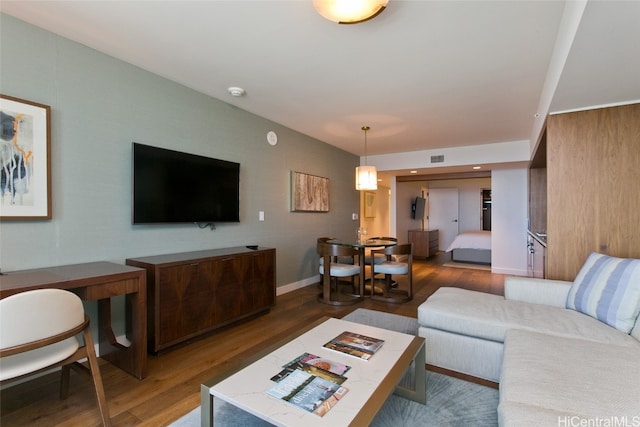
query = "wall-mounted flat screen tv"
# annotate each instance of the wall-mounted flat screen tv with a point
(418, 207)
(175, 187)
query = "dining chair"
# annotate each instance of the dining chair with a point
(321, 259)
(368, 258)
(390, 267)
(38, 331)
(332, 255)
(341, 259)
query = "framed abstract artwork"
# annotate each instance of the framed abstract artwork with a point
(309, 193)
(369, 204)
(25, 159)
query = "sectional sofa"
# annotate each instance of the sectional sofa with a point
(564, 353)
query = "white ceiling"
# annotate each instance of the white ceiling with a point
(423, 74)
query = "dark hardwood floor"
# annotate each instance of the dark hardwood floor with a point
(172, 387)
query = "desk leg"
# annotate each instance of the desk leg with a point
(133, 357)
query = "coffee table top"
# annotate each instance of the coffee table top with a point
(370, 382)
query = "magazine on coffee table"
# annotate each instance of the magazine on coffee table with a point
(356, 345)
(316, 365)
(319, 362)
(307, 391)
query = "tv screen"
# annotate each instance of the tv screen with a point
(174, 187)
(417, 208)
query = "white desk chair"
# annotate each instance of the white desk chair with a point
(38, 332)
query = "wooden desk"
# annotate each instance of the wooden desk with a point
(98, 281)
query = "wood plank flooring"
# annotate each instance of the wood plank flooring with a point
(172, 387)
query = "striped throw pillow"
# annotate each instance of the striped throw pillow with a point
(608, 289)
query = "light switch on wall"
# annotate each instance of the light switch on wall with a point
(354, 216)
(261, 216)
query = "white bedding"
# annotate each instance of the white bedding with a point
(475, 239)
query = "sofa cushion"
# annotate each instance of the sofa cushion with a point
(486, 316)
(608, 289)
(568, 376)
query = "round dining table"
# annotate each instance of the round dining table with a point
(362, 245)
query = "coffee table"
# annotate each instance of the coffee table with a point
(370, 382)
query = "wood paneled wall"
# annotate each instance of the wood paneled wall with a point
(593, 187)
(538, 200)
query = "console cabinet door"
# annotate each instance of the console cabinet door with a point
(229, 277)
(184, 304)
(263, 283)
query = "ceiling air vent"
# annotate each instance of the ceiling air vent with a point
(437, 159)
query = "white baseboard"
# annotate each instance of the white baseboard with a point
(297, 285)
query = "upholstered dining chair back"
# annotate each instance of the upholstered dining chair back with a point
(347, 259)
(378, 259)
(341, 257)
(324, 239)
(390, 267)
(38, 332)
(319, 248)
(338, 262)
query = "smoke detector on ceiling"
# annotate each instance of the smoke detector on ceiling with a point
(236, 91)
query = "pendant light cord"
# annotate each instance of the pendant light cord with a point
(365, 129)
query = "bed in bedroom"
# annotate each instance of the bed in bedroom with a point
(471, 246)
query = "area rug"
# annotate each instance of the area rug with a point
(467, 265)
(450, 401)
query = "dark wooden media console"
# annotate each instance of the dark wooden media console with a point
(193, 293)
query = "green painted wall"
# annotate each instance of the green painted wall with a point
(99, 105)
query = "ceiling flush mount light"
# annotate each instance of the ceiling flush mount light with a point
(349, 11)
(366, 176)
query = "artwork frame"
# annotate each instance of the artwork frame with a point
(25, 160)
(369, 204)
(309, 193)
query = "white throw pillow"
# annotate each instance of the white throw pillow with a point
(608, 289)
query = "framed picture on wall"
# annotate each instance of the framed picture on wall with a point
(25, 157)
(309, 193)
(369, 204)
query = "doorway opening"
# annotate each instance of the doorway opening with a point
(486, 209)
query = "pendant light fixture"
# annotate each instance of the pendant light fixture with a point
(349, 11)
(366, 176)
